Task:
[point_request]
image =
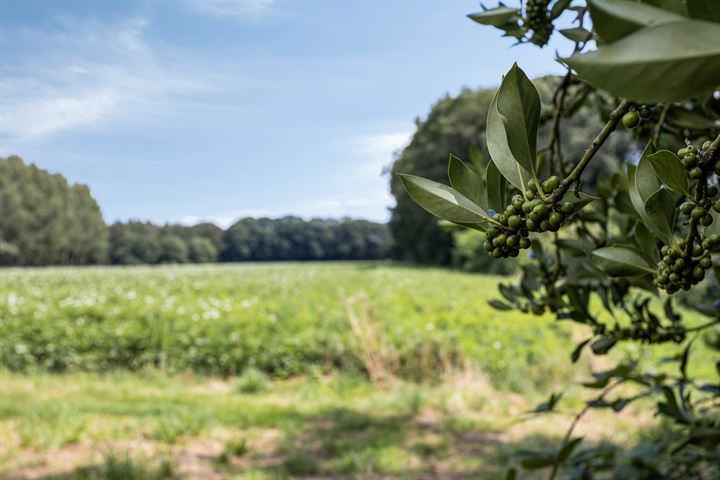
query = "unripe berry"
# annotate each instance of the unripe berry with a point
(686, 208)
(567, 208)
(556, 218)
(707, 220)
(517, 202)
(514, 222)
(550, 184)
(487, 245)
(645, 112)
(697, 250)
(696, 172)
(525, 243)
(716, 206)
(712, 191)
(631, 119)
(492, 232)
(529, 195)
(697, 213)
(705, 262)
(513, 241)
(706, 145)
(544, 226)
(540, 210)
(527, 206)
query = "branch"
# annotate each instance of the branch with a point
(615, 117)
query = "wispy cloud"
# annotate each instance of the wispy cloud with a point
(231, 8)
(377, 151)
(84, 73)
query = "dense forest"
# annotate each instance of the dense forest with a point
(46, 221)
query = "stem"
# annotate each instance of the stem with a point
(609, 127)
(554, 144)
(658, 127)
(700, 196)
(581, 413)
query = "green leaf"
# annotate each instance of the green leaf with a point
(466, 181)
(615, 19)
(495, 188)
(568, 448)
(575, 356)
(676, 6)
(559, 7)
(442, 201)
(602, 345)
(499, 149)
(496, 17)
(533, 463)
(680, 117)
(704, 9)
(645, 239)
(660, 207)
(661, 63)
(579, 202)
(670, 171)
(577, 35)
(518, 103)
(642, 184)
(499, 305)
(618, 261)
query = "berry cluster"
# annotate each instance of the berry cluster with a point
(695, 161)
(632, 118)
(524, 215)
(677, 271)
(538, 20)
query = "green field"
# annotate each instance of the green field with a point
(264, 371)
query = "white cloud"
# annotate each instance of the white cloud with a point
(377, 151)
(84, 73)
(231, 8)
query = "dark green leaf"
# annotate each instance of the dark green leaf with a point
(708, 10)
(660, 208)
(533, 463)
(496, 184)
(683, 57)
(568, 448)
(645, 239)
(670, 171)
(518, 103)
(499, 149)
(442, 201)
(498, 305)
(618, 261)
(510, 474)
(559, 7)
(683, 118)
(603, 344)
(675, 6)
(466, 181)
(495, 16)
(575, 356)
(615, 19)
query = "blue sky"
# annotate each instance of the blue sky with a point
(182, 111)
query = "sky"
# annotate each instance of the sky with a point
(189, 111)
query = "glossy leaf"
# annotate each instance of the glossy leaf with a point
(499, 149)
(466, 181)
(601, 346)
(682, 57)
(499, 305)
(496, 185)
(660, 208)
(670, 171)
(619, 261)
(518, 103)
(442, 201)
(615, 19)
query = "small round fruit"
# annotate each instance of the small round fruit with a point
(645, 112)
(531, 225)
(517, 202)
(497, 253)
(567, 208)
(527, 206)
(706, 145)
(540, 210)
(698, 273)
(529, 195)
(513, 241)
(556, 218)
(697, 213)
(716, 206)
(514, 222)
(525, 243)
(686, 208)
(631, 119)
(544, 226)
(705, 262)
(697, 250)
(499, 241)
(707, 220)
(696, 172)
(550, 184)
(492, 232)
(712, 191)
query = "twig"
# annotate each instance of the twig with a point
(609, 127)
(658, 126)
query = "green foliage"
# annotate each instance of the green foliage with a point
(628, 241)
(252, 380)
(46, 221)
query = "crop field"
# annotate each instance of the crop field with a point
(333, 370)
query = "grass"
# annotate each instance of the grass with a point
(333, 370)
(337, 426)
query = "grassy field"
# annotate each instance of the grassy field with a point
(354, 370)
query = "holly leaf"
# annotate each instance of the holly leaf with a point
(620, 261)
(664, 62)
(670, 171)
(615, 19)
(443, 201)
(466, 181)
(496, 184)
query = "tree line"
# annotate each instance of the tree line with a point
(44, 220)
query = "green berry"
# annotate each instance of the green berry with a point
(696, 172)
(645, 112)
(488, 245)
(698, 273)
(529, 194)
(525, 243)
(530, 225)
(706, 145)
(567, 208)
(697, 213)
(707, 220)
(527, 206)
(631, 119)
(556, 218)
(496, 253)
(716, 206)
(705, 262)
(686, 208)
(517, 202)
(712, 191)
(513, 241)
(697, 250)
(544, 226)
(514, 222)
(550, 184)
(540, 210)
(492, 232)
